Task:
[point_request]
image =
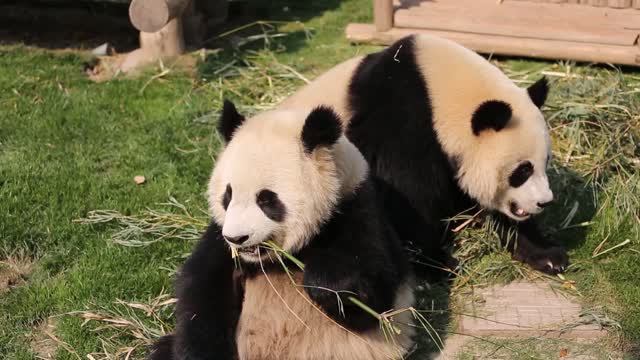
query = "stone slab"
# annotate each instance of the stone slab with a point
(523, 309)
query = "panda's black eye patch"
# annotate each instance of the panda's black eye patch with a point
(521, 174)
(226, 198)
(271, 205)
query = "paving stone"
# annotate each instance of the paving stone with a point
(523, 309)
(518, 310)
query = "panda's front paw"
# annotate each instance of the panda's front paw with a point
(324, 287)
(329, 283)
(552, 261)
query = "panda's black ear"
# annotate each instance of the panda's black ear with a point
(492, 114)
(538, 91)
(321, 128)
(229, 120)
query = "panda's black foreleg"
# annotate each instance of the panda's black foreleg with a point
(530, 246)
(331, 277)
(162, 349)
(209, 303)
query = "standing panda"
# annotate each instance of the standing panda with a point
(443, 130)
(291, 178)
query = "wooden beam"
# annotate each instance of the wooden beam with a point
(505, 45)
(527, 20)
(383, 14)
(152, 15)
(619, 3)
(599, 16)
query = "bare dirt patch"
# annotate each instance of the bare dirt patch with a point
(43, 342)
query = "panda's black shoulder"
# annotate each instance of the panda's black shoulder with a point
(381, 72)
(358, 223)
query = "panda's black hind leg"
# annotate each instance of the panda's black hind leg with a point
(531, 248)
(162, 349)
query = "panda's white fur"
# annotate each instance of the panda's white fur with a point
(459, 80)
(274, 306)
(248, 163)
(258, 311)
(331, 88)
(443, 130)
(268, 329)
(485, 160)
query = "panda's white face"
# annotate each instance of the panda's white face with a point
(505, 170)
(264, 187)
(251, 218)
(270, 185)
(500, 137)
(527, 191)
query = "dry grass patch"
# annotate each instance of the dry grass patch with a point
(127, 329)
(14, 270)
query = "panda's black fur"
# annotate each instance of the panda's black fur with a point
(355, 250)
(391, 125)
(413, 175)
(386, 100)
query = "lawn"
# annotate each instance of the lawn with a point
(87, 256)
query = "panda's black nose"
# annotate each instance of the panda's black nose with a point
(238, 240)
(542, 205)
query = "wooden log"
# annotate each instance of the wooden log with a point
(505, 45)
(152, 15)
(625, 18)
(524, 20)
(168, 42)
(383, 14)
(163, 44)
(619, 4)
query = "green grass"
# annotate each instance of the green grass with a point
(533, 348)
(69, 146)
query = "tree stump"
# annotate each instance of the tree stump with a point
(161, 31)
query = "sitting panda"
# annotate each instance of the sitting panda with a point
(444, 130)
(291, 178)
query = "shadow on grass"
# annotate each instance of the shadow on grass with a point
(433, 302)
(87, 24)
(67, 24)
(566, 222)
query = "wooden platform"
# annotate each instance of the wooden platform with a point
(514, 27)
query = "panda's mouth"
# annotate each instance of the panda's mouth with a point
(517, 211)
(250, 250)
